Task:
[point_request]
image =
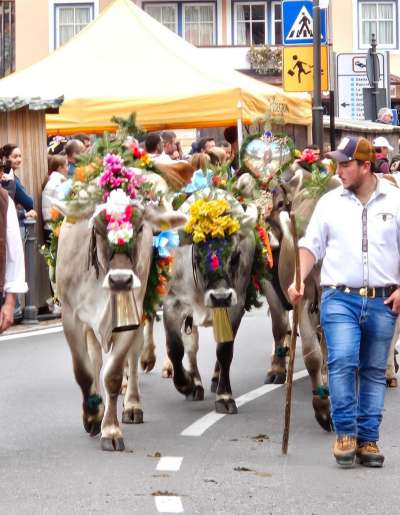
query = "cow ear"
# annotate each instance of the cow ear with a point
(164, 220)
(75, 209)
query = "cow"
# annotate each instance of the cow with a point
(88, 274)
(291, 195)
(190, 302)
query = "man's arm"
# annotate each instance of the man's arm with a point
(307, 262)
(15, 269)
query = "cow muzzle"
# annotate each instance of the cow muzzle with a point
(220, 298)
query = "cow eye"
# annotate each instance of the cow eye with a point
(280, 204)
(235, 260)
(140, 229)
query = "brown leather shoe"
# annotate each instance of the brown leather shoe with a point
(345, 451)
(368, 454)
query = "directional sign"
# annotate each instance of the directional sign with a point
(298, 23)
(298, 68)
(351, 80)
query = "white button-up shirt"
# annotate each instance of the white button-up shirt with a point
(15, 262)
(358, 245)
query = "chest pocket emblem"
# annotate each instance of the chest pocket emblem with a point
(386, 217)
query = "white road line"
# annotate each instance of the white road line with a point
(28, 334)
(169, 463)
(168, 504)
(201, 425)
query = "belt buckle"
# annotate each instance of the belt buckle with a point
(373, 294)
(363, 292)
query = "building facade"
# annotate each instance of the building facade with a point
(224, 29)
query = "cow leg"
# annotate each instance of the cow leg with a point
(313, 360)
(111, 434)
(191, 345)
(148, 357)
(391, 379)
(224, 401)
(281, 332)
(167, 369)
(215, 378)
(83, 345)
(183, 381)
(133, 410)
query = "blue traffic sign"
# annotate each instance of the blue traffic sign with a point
(298, 23)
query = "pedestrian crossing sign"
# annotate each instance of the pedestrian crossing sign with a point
(298, 23)
(298, 69)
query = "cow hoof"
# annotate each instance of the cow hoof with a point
(392, 383)
(275, 378)
(148, 364)
(112, 444)
(214, 385)
(226, 407)
(198, 393)
(323, 413)
(93, 427)
(166, 373)
(134, 416)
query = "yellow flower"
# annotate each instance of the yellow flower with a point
(211, 219)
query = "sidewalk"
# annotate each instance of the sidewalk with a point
(21, 328)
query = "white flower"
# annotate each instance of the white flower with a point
(118, 232)
(116, 203)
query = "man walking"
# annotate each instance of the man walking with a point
(12, 265)
(355, 231)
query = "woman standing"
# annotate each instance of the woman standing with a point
(11, 157)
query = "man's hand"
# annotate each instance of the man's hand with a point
(394, 301)
(295, 295)
(7, 312)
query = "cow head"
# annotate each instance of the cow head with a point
(222, 245)
(121, 246)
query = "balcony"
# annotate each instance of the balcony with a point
(261, 62)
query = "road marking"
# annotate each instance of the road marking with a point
(201, 425)
(169, 463)
(28, 334)
(168, 504)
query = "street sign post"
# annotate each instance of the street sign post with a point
(298, 69)
(351, 80)
(298, 27)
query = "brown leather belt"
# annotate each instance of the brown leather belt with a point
(371, 293)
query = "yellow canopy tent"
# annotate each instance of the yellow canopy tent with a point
(126, 61)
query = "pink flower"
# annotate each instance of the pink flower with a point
(214, 263)
(309, 156)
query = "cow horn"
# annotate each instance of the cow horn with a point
(250, 217)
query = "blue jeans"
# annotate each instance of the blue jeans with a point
(358, 333)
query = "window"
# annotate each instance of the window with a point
(276, 23)
(71, 19)
(7, 37)
(198, 24)
(250, 23)
(377, 18)
(167, 14)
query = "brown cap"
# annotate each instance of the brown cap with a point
(352, 148)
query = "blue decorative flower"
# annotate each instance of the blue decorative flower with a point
(165, 242)
(199, 181)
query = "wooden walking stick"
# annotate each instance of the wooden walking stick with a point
(292, 349)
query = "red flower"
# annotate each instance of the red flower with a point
(129, 212)
(121, 242)
(309, 156)
(214, 263)
(216, 180)
(137, 153)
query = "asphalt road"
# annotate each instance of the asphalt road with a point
(49, 465)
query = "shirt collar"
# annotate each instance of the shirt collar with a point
(382, 188)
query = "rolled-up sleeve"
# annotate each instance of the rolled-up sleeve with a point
(15, 262)
(316, 234)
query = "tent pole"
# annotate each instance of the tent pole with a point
(239, 127)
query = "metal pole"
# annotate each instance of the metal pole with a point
(317, 109)
(332, 125)
(31, 310)
(375, 81)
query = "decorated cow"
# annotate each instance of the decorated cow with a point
(109, 277)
